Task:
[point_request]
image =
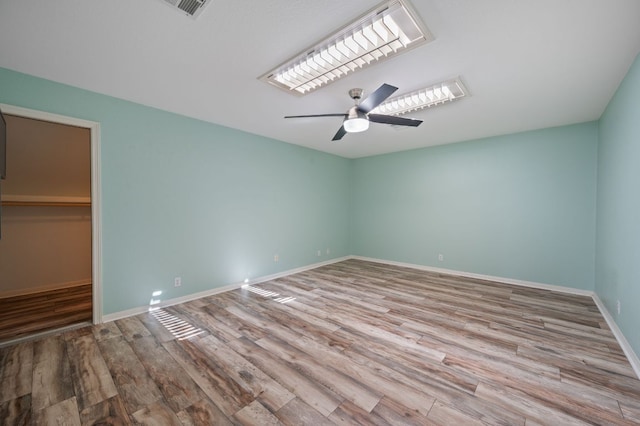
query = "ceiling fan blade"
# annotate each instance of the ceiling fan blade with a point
(392, 119)
(339, 134)
(377, 97)
(341, 114)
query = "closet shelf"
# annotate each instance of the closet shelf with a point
(45, 200)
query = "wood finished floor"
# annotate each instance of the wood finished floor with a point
(349, 343)
(21, 315)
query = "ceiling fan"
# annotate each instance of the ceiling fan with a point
(358, 117)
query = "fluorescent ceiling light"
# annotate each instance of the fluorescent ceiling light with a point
(389, 29)
(424, 98)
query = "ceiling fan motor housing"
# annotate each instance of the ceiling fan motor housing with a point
(354, 113)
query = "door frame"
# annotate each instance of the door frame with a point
(96, 196)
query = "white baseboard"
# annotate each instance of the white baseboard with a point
(521, 283)
(624, 344)
(622, 341)
(297, 270)
(169, 302)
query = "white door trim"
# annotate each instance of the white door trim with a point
(96, 223)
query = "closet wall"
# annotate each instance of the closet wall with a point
(45, 250)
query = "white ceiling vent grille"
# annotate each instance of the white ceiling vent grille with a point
(191, 8)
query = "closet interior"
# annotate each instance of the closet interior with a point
(45, 249)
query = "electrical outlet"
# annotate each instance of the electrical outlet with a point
(177, 281)
(328, 251)
(319, 252)
(618, 306)
(440, 257)
(276, 258)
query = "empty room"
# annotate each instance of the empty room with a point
(403, 212)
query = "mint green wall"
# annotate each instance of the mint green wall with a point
(520, 206)
(618, 226)
(182, 197)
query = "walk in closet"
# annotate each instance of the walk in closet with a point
(45, 250)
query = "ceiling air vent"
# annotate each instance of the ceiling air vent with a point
(192, 8)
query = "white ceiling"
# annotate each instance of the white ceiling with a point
(527, 64)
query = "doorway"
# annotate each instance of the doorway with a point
(51, 245)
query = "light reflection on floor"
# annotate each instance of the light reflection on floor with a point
(180, 329)
(183, 330)
(266, 293)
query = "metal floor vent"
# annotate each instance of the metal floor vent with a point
(192, 8)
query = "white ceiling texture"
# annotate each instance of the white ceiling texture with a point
(526, 64)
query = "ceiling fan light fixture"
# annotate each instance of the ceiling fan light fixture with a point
(385, 31)
(356, 121)
(427, 97)
(355, 125)
(358, 117)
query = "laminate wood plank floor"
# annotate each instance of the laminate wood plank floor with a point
(354, 342)
(21, 315)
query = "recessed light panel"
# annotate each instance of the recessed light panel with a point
(424, 98)
(389, 29)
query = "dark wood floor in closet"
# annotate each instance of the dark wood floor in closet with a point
(31, 313)
(349, 343)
